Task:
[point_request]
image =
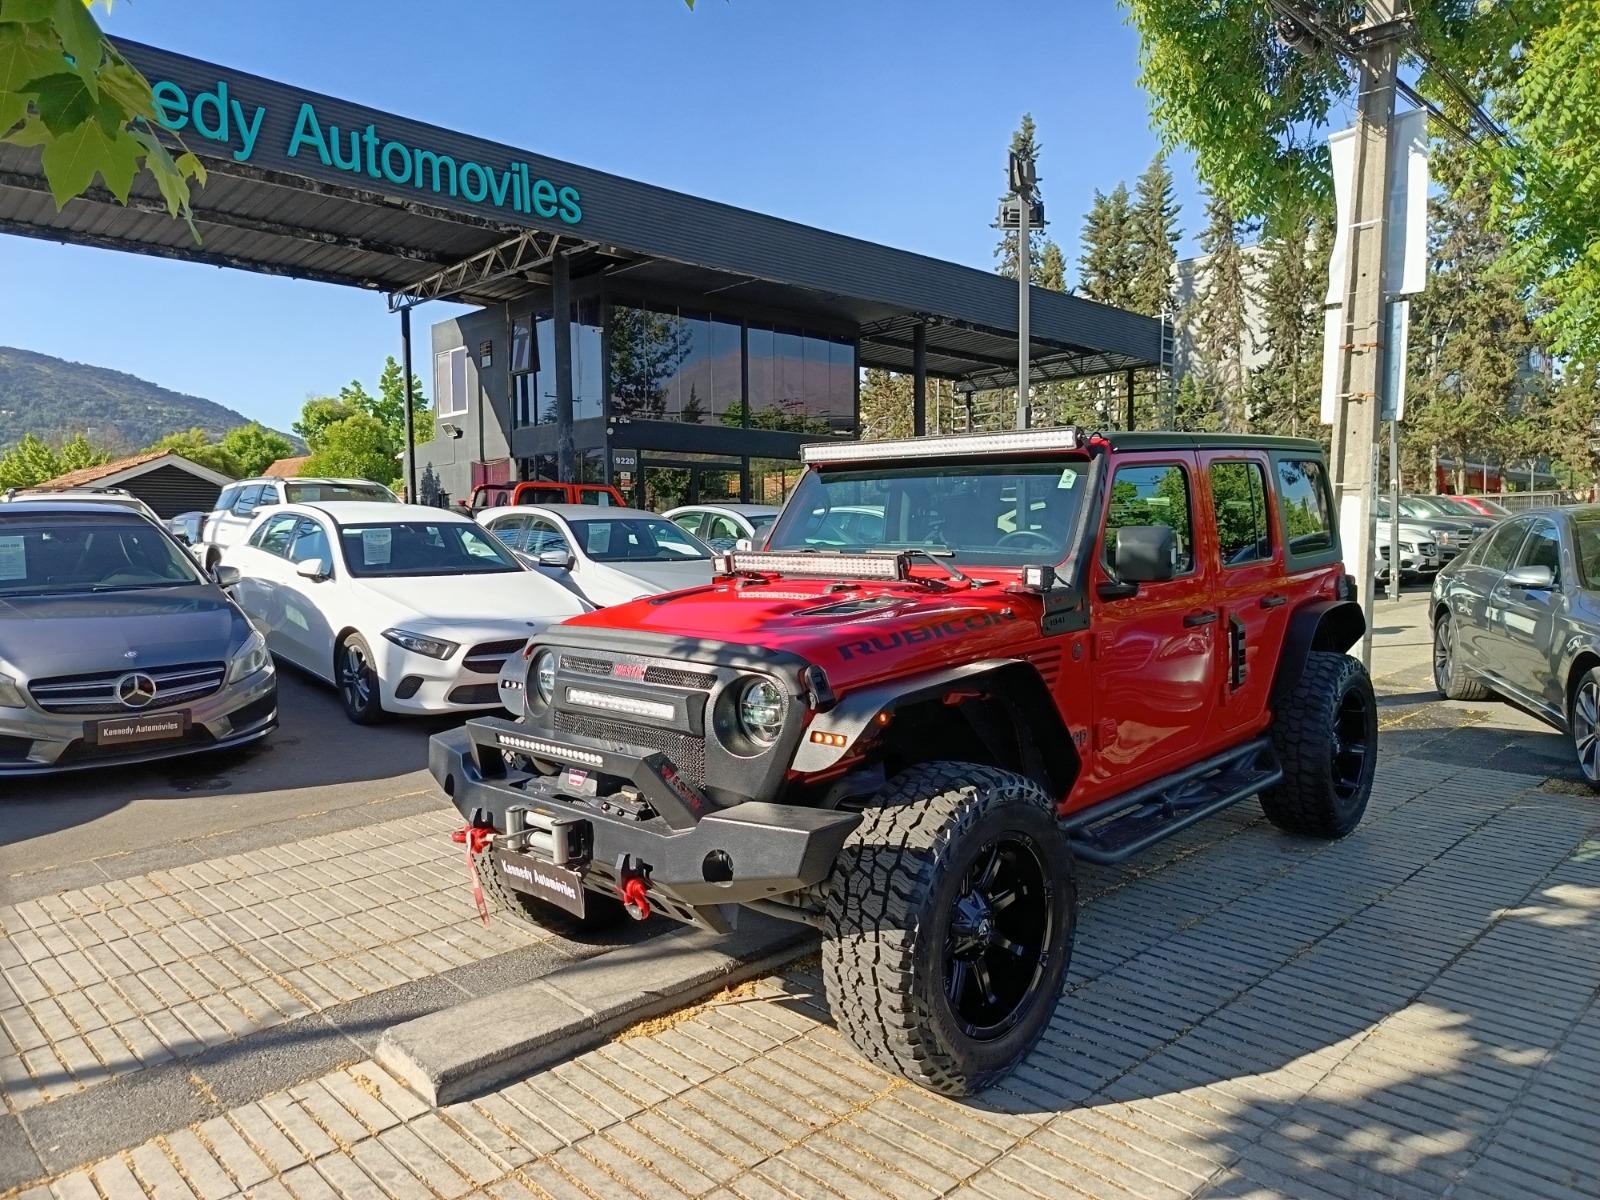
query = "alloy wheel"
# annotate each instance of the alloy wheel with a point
(1351, 746)
(999, 937)
(354, 679)
(1586, 728)
(1444, 652)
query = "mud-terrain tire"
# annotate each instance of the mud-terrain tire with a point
(1326, 737)
(599, 912)
(910, 916)
(1453, 681)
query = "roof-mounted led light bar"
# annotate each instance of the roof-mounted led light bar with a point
(1022, 441)
(815, 566)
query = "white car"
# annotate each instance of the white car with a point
(115, 497)
(723, 526)
(406, 609)
(606, 555)
(242, 502)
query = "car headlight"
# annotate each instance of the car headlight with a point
(10, 694)
(761, 707)
(419, 643)
(544, 675)
(252, 657)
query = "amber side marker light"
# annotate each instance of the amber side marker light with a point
(828, 739)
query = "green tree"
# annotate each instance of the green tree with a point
(1471, 331)
(1286, 390)
(357, 447)
(886, 404)
(1025, 143)
(390, 405)
(196, 445)
(316, 415)
(66, 89)
(33, 461)
(1109, 260)
(1051, 270)
(1153, 230)
(1221, 323)
(254, 447)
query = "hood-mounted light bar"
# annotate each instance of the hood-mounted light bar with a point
(1022, 441)
(886, 567)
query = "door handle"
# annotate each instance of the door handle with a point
(1199, 618)
(1274, 601)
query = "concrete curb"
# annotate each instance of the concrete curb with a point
(464, 1050)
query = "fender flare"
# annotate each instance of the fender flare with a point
(1323, 625)
(1016, 681)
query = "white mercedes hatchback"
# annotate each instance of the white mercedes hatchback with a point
(406, 609)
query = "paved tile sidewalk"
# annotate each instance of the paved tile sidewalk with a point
(1408, 1013)
(109, 979)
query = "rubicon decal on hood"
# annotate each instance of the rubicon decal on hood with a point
(936, 631)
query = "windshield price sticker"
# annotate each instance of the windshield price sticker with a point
(375, 546)
(13, 558)
(1069, 477)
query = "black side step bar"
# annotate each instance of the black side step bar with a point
(1125, 825)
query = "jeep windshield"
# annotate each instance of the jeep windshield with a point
(1000, 514)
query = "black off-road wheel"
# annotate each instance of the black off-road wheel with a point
(1326, 736)
(1450, 677)
(599, 912)
(358, 680)
(949, 926)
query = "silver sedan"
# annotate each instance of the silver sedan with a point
(1519, 615)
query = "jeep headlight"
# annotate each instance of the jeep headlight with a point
(544, 675)
(10, 693)
(419, 643)
(761, 708)
(252, 657)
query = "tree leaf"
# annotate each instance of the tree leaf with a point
(80, 36)
(120, 82)
(26, 11)
(13, 108)
(64, 101)
(32, 133)
(23, 58)
(120, 164)
(71, 159)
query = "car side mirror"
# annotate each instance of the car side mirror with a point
(744, 544)
(225, 577)
(561, 560)
(183, 539)
(1531, 579)
(315, 569)
(1144, 553)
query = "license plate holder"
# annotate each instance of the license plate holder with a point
(558, 886)
(136, 728)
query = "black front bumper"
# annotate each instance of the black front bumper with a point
(645, 821)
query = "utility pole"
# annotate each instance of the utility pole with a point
(1022, 211)
(1354, 456)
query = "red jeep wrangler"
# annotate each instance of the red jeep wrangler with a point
(542, 491)
(1042, 647)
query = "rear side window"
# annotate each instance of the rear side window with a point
(1307, 508)
(1239, 501)
(229, 494)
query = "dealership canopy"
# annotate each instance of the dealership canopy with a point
(313, 187)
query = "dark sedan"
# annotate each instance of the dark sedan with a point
(1519, 614)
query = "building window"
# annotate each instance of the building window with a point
(450, 382)
(801, 382)
(522, 358)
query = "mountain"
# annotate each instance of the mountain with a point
(54, 398)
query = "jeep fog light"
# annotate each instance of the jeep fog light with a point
(761, 706)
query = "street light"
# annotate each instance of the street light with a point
(1022, 211)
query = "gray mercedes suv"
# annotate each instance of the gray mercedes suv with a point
(115, 648)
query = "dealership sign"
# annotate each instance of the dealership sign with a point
(217, 114)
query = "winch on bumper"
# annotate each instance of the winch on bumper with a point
(613, 816)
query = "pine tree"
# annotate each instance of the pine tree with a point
(1286, 392)
(1050, 271)
(1024, 143)
(1108, 262)
(1153, 230)
(886, 403)
(1471, 331)
(1221, 326)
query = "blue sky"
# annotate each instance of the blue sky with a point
(884, 119)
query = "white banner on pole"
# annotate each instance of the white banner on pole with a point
(1332, 333)
(1392, 404)
(1405, 264)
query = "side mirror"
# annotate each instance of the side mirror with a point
(1144, 553)
(744, 544)
(561, 560)
(312, 568)
(182, 538)
(226, 577)
(1531, 579)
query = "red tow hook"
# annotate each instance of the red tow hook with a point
(474, 838)
(634, 899)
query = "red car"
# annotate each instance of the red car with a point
(1483, 504)
(1049, 647)
(542, 491)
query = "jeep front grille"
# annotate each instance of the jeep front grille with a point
(676, 677)
(579, 665)
(687, 752)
